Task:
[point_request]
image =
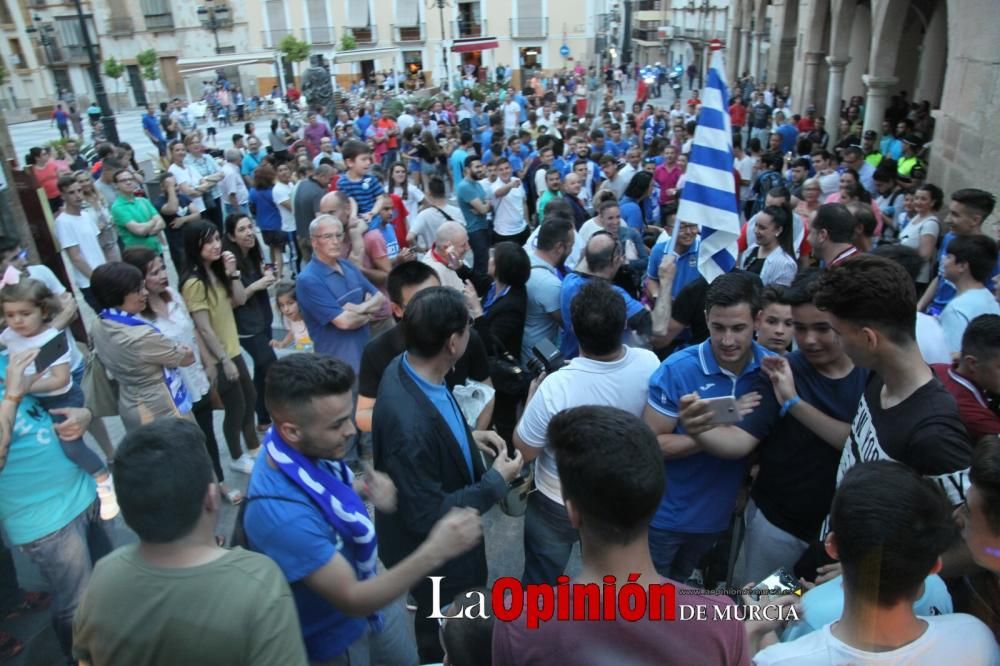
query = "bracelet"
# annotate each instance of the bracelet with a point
(235, 275)
(16, 399)
(788, 404)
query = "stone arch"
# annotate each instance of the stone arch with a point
(859, 47)
(933, 57)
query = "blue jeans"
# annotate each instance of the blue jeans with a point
(676, 554)
(76, 450)
(65, 559)
(548, 540)
(479, 241)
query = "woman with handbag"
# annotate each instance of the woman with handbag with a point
(141, 358)
(165, 309)
(500, 322)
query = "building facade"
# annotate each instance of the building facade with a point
(941, 51)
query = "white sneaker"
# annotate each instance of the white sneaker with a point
(243, 464)
(109, 501)
(253, 453)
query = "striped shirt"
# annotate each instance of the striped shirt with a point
(363, 191)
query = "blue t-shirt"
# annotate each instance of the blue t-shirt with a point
(321, 293)
(687, 265)
(363, 123)
(825, 604)
(363, 191)
(41, 490)
(961, 310)
(701, 489)
(296, 535)
(267, 213)
(457, 163)
(466, 192)
(485, 139)
(945, 288)
(152, 125)
(251, 162)
(788, 136)
(571, 286)
(444, 402)
(631, 213)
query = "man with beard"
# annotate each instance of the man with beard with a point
(543, 320)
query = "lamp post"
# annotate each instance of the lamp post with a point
(440, 4)
(214, 18)
(107, 116)
(45, 39)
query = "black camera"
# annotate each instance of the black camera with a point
(545, 357)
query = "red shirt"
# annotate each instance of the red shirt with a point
(975, 413)
(807, 125)
(738, 115)
(667, 180)
(399, 220)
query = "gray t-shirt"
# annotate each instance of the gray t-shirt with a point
(544, 287)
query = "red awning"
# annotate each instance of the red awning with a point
(475, 44)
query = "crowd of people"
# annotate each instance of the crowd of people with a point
(481, 303)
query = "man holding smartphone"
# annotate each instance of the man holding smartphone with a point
(701, 488)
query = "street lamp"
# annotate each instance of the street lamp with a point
(440, 4)
(107, 117)
(214, 18)
(45, 39)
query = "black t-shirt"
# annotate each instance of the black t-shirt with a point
(380, 351)
(760, 116)
(798, 469)
(754, 263)
(923, 432)
(183, 201)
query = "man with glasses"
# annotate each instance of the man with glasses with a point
(853, 158)
(424, 445)
(135, 217)
(336, 300)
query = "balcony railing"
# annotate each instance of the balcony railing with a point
(60, 53)
(366, 35)
(408, 34)
(271, 38)
(460, 29)
(121, 26)
(159, 22)
(319, 35)
(646, 35)
(529, 27)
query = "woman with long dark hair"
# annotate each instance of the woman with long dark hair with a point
(772, 255)
(254, 317)
(166, 311)
(212, 287)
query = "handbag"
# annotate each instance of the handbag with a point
(507, 374)
(101, 390)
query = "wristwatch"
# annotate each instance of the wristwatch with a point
(235, 275)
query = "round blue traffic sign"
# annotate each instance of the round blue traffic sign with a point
(564, 51)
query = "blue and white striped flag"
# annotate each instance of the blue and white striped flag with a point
(709, 194)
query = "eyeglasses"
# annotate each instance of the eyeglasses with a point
(330, 236)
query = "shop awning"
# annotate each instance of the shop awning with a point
(211, 63)
(474, 44)
(357, 55)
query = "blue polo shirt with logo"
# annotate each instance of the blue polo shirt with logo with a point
(322, 292)
(687, 265)
(701, 489)
(364, 191)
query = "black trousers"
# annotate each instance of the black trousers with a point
(259, 348)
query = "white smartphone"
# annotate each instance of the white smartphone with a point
(724, 410)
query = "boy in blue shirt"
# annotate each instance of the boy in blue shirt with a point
(356, 182)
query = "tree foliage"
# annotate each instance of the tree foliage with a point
(293, 49)
(147, 60)
(348, 42)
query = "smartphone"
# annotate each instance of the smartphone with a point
(270, 267)
(778, 584)
(50, 352)
(724, 410)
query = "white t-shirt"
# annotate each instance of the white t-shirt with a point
(910, 237)
(16, 343)
(949, 639)
(961, 310)
(80, 231)
(426, 224)
(282, 192)
(623, 383)
(45, 274)
(233, 182)
(931, 341)
(414, 196)
(745, 168)
(186, 175)
(508, 211)
(511, 115)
